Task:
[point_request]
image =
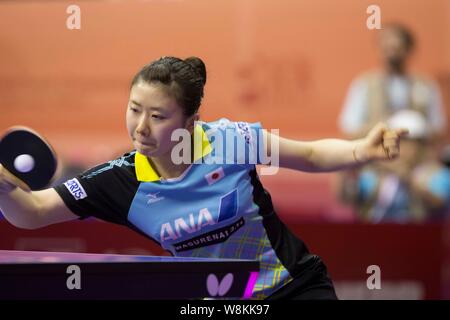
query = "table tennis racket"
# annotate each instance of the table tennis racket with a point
(28, 156)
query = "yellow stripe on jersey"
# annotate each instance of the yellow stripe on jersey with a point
(145, 171)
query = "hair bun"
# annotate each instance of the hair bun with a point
(198, 65)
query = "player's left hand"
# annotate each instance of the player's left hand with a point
(381, 143)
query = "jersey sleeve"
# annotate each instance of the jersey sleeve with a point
(236, 142)
(104, 192)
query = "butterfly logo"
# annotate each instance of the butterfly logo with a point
(219, 288)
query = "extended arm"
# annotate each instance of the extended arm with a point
(328, 155)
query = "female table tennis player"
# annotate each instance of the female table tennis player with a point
(198, 208)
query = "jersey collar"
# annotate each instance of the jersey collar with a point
(146, 173)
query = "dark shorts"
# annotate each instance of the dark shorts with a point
(313, 283)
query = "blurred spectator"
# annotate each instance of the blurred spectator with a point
(413, 188)
(376, 95)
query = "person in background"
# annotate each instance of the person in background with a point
(413, 188)
(376, 95)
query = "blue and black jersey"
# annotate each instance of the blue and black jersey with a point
(215, 209)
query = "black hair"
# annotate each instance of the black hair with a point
(405, 33)
(185, 79)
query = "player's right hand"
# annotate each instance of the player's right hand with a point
(8, 182)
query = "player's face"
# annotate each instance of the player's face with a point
(152, 116)
(393, 48)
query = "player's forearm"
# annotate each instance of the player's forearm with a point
(335, 154)
(20, 208)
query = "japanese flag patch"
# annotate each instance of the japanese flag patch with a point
(215, 176)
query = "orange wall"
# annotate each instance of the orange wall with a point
(446, 38)
(285, 63)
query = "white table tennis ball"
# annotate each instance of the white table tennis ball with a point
(24, 163)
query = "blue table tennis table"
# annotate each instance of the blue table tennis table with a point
(66, 276)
